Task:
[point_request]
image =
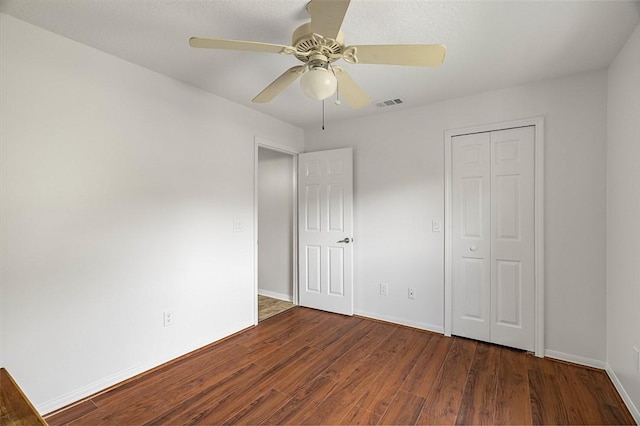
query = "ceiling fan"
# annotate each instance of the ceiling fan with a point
(318, 44)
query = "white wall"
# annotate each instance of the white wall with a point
(399, 189)
(623, 212)
(119, 191)
(275, 224)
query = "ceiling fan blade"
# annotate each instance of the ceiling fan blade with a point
(327, 16)
(279, 84)
(252, 46)
(421, 55)
(349, 90)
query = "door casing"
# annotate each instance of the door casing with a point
(538, 123)
(263, 143)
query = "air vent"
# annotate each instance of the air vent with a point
(390, 102)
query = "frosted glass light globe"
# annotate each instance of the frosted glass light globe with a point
(319, 84)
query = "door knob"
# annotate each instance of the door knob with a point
(346, 240)
(473, 248)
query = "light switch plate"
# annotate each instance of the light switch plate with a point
(436, 225)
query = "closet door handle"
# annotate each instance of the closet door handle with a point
(473, 248)
(346, 240)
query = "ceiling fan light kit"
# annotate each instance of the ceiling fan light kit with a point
(319, 83)
(318, 44)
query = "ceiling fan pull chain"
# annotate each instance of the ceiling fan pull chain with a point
(323, 114)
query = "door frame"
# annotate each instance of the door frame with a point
(273, 146)
(538, 124)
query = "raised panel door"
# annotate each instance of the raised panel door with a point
(325, 203)
(471, 278)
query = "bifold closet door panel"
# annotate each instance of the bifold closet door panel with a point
(471, 238)
(512, 238)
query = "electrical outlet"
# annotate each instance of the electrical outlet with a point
(412, 293)
(168, 318)
(635, 348)
(384, 289)
(436, 225)
(237, 225)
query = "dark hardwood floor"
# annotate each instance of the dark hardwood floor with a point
(311, 367)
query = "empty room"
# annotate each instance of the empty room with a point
(319, 212)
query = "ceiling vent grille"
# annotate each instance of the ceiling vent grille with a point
(390, 102)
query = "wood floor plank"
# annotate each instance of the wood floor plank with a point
(478, 401)
(547, 404)
(198, 406)
(360, 416)
(117, 397)
(375, 335)
(167, 390)
(287, 376)
(602, 394)
(325, 336)
(428, 366)
(242, 395)
(290, 327)
(337, 404)
(579, 402)
(329, 353)
(72, 413)
(378, 398)
(259, 410)
(404, 409)
(264, 375)
(305, 329)
(445, 396)
(303, 402)
(512, 389)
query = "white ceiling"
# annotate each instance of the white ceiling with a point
(490, 44)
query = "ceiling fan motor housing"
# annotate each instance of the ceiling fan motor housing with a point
(304, 41)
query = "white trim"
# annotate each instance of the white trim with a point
(400, 321)
(623, 393)
(275, 295)
(538, 123)
(259, 142)
(539, 235)
(575, 359)
(448, 251)
(78, 395)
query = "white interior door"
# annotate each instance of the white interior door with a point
(512, 238)
(471, 239)
(493, 287)
(325, 221)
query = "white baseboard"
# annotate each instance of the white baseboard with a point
(402, 321)
(575, 359)
(100, 385)
(275, 295)
(623, 393)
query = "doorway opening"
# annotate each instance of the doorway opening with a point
(276, 223)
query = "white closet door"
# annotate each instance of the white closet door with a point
(493, 286)
(471, 238)
(512, 238)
